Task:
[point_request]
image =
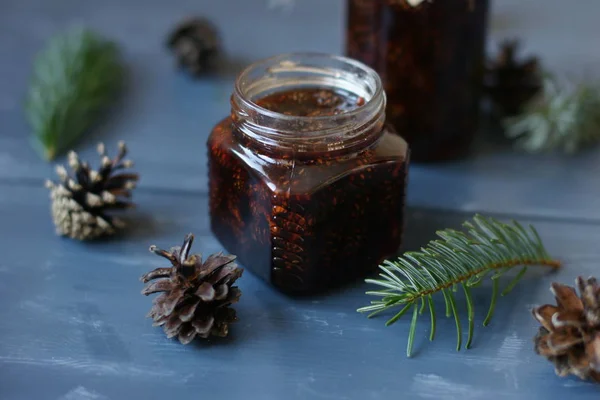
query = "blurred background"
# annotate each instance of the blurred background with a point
(184, 110)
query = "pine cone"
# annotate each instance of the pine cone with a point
(196, 295)
(81, 205)
(510, 84)
(570, 333)
(196, 44)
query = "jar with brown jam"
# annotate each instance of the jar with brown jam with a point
(307, 183)
(429, 55)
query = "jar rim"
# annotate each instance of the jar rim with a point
(334, 133)
(251, 105)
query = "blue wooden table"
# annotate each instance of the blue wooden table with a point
(73, 319)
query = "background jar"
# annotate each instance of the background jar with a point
(307, 202)
(430, 58)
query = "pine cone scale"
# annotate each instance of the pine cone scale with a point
(593, 349)
(206, 292)
(186, 312)
(163, 285)
(566, 297)
(82, 177)
(544, 315)
(579, 361)
(187, 334)
(541, 344)
(214, 263)
(157, 273)
(158, 321)
(560, 343)
(568, 318)
(221, 292)
(171, 301)
(591, 299)
(226, 274)
(217, 260)
(202, 327)
(173, 324)
(234, 295)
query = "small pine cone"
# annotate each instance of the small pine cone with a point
(196, 295)
(511, 83)
(196, 45)
(81, 205)
(570, 333)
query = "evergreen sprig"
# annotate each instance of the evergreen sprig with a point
(76, 76)
(488, 248)
(564, 116)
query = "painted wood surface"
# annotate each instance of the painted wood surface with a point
(73, 316)
(73, 319)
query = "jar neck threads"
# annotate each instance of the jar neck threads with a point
(275, 132)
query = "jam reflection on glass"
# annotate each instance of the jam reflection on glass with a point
(430, 59)
(309, 221)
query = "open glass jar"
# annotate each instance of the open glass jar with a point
(307, 183)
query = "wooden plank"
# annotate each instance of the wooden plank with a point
(166, 118)
(73, 321)
(495, 179)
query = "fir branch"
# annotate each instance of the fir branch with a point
(458, 259)
(75, 77)
(563, 116)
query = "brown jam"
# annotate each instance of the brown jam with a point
(429, 58)
(311, 102)
(313, 222)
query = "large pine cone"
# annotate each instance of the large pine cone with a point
(196, 295)
(570, 333)
(511, 83)
(82, 205)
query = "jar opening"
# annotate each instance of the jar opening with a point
(308, 71)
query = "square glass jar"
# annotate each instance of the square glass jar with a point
(307, 202)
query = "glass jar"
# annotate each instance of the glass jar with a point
(307, 199)
(430, 58)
